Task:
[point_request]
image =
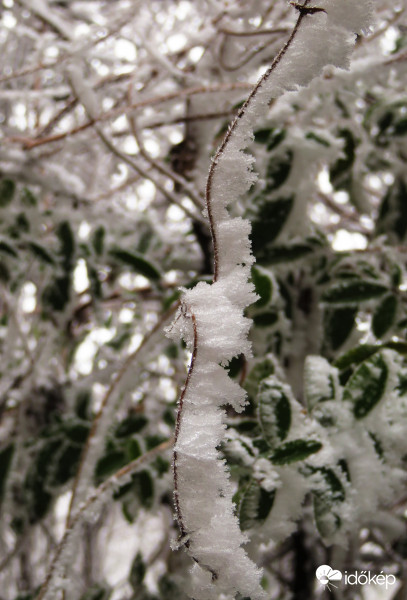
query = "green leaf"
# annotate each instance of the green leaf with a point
(57, 293)
(349, 292)
(6, 454)
(338, 324)
(98, 240)
(266, 319)
(294, 451)
(274, 410)
(384, 315)
(270, 220)
(137, 573)
(278, 170)
(137, 262)
(40, 252)
(263, 287)
(340, 172)
(281, 254)
(367, 385)
(7, 190)
(66, 464)
(143, 485)
(109, 464)
(76, 431)
(67, 244)
(356, 355)
(130, 425)
(27, 198)
(255, 505)
(392, 217)
(7, 249)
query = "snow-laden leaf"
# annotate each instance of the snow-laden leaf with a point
(294, 451)
(255, 505)
(384, 315)
(350, 292)
(320, 381)
(274, 410)
(367, 385)
(340, 172)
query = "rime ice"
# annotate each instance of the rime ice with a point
(220, 330)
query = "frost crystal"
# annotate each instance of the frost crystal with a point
(212, 323)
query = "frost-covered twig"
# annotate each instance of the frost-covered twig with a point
(211, 317)
(86, 511)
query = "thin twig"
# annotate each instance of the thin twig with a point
(228, 136)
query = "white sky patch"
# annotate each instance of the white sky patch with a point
(125, 50)
(84, 230)
(195, 54)
(344, 240)
(28, 300)
(176, 42)
(341, 197)
(61, 512)
(388, 40)
(135, 342)
(323, 181)
(175, 135)
(126, 315)
(175, 214)
(80, 277)
(152, 147)
(374, 182)
(86, 351)
(9, 20)
(130, 145)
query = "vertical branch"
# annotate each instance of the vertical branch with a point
(222, 148)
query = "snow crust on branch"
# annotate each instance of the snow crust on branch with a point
(211, 319)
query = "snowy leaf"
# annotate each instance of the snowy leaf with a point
(278, 170)
(320, 381)
(367, 385)
(274, 410)
(294, 451)
(137, 262)
(255, 505)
